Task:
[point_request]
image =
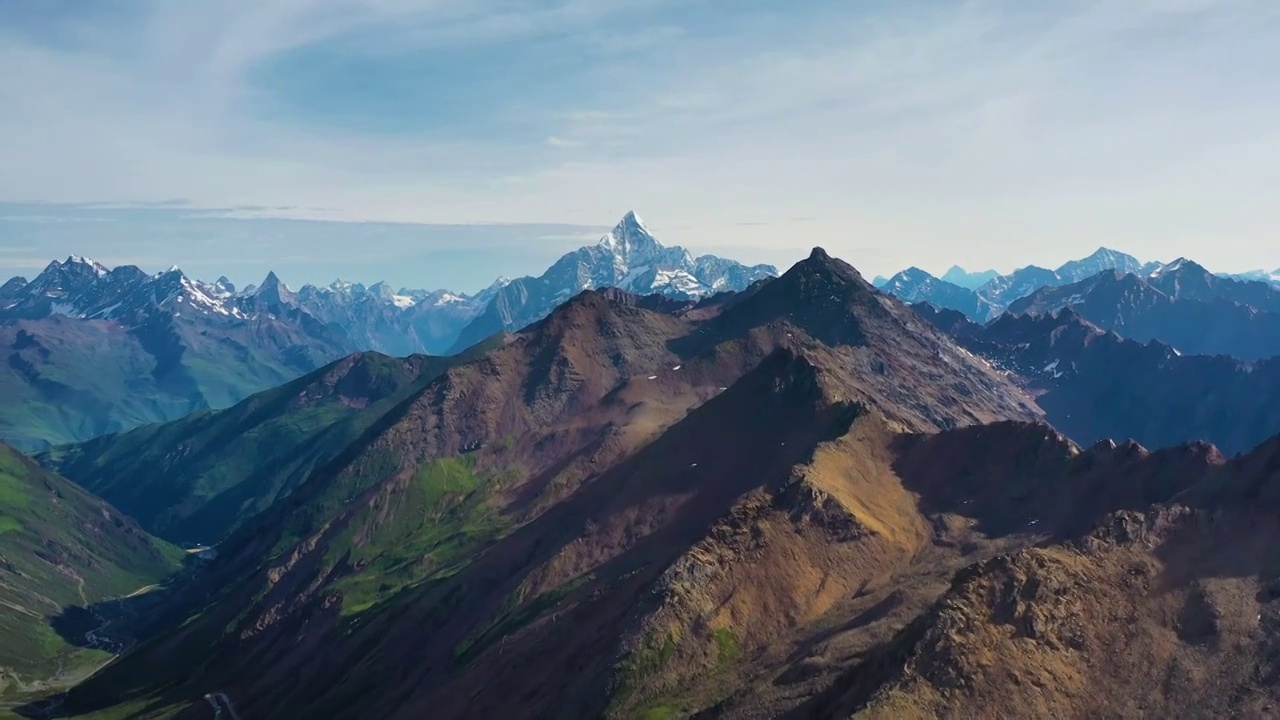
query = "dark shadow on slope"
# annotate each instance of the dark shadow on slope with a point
(113, 626)
(651, 508)
(1022, 477)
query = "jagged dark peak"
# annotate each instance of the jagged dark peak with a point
(273, 290)
(820, 264)
(821, 294)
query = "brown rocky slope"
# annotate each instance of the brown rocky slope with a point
(754, 511)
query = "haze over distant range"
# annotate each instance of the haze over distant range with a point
(905, 134)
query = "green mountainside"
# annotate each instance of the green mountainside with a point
(195, 479)
(60, 547)
(68, 379)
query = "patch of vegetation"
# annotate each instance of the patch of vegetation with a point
(446, 478)
(643, 663)
(727, 650)
(442, 519)
(198, 478)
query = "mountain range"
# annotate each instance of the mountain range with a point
(957, 275)
(93, 350)
(802, 499)
(1093, 384)
(776, 496)
(1180, 304)
(985, 300)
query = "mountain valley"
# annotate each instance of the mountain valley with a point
(946, 387)
(803, 498)
(61, 548)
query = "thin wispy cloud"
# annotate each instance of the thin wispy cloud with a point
(982, 132)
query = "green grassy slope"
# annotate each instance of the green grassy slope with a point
(67, 380)
(61, 547)
(198, 478)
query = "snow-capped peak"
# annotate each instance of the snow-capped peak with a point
(629, 237)
(632, 219)
(1169, 267)
(498, 284)
(345, 286)
(448, 298)
(97, 267)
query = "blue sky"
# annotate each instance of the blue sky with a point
(444, 142)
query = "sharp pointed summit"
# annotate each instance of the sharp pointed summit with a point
(631, 239)
(273, 290)
(821, 263)
(632, 219)
(629, 258)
